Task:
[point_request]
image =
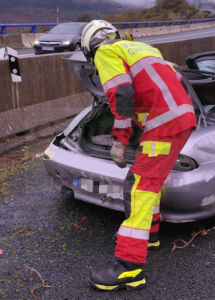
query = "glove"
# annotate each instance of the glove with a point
(118, 151)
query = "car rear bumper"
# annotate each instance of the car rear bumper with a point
(185, 195)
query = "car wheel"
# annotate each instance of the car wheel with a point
(77, 47)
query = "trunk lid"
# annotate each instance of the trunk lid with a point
(86, 74)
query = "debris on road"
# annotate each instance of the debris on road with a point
(194, 234)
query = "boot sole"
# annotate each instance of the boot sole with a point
(136, 285)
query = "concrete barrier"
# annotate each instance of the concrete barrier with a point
(26, 40)
(38, 116)
(44, 78)
(11, 40)
(32, 102)
(150, 31)
(177, 51)
(50, 91)
(29, 38)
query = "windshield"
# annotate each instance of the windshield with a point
(67, 29)
(206, 65)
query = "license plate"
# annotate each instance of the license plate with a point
(92, 186)
(48, 48)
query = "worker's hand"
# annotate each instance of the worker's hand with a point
(118, 151)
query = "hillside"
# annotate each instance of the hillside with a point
(164, 10)
(38, 11)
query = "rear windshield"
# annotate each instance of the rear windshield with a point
(67, 29)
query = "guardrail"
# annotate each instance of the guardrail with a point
(33, 26)
(124, 24)
(163, 23)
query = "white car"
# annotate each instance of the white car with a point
(79, 159)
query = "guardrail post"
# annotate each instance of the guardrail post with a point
(33, 29)
(3, 30)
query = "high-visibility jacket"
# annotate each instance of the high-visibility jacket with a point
(136, 79)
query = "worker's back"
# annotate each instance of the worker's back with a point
(124, 63)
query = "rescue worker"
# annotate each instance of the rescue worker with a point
(137, 80)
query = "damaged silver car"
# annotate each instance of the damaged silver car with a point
(79, 159)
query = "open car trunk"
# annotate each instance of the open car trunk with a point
(95, 137)
(94, 130)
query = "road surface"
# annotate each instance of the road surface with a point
(53, 237)
(156, 39)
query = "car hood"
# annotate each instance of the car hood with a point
(49, 37)
(85, 74)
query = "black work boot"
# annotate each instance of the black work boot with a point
(153, 243)
(123, 275)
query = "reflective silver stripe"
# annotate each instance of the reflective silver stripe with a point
(178, 75)
(153, 149)
(162, 86)
(122, 78)
(156, 210)
(145, 117)
(122, 123)
(168, 116)
(134, 233)
(146, 64)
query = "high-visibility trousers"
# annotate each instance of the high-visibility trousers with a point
(142, 192)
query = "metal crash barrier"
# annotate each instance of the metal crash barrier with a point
(124, 25)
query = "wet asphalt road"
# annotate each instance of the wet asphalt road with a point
(62, 239)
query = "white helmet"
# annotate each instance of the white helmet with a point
(95, 34)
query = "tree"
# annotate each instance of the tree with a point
(158, 2)
(111, 17)
(84, 18)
